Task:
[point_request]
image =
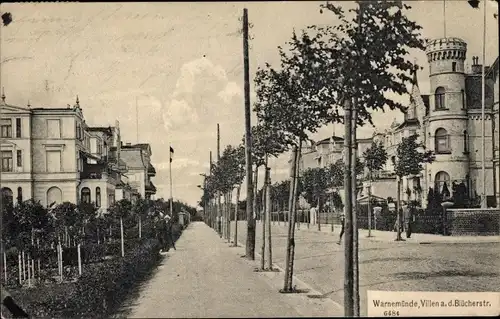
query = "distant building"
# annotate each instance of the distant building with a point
(139, 168)
(52, 156)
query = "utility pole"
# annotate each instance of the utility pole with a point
(483, 116)
(348, 241)
(355, 233)
(250, 245)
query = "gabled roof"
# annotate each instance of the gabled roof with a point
(132, 157)
(13, 108)
(492, 69)
(106, 130)
(328, 139)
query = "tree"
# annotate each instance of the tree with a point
(410, 157)
(375, 158)
(329, 66)
(119, 211)
(315, 183)
(141, 209)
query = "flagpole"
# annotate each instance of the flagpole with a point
(170, 175)
(444, 17)
(137, 120)
(483, 117)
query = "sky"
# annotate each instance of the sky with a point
(180, 65)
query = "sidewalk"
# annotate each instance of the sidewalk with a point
(387, 236)
(205, 277)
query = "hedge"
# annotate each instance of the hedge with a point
(103, 286)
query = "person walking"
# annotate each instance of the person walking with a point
(161, 232)
(168, 232)
(342, 225)
(409, 216)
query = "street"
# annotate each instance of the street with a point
(205, 277)
(390, 266)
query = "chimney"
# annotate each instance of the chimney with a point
(476, 67)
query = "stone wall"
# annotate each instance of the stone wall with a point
(473, 222)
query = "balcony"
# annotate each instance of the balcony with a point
(151, 170)
(93, 171)
(150, 188)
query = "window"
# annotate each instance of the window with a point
(7, 161)
(442, 179)
(98, 196)
(19, 195)
(441, 143)
(6, 127)
(54, 196)
(454, 66)
(85, 197)
(464, 105)
(18, 128)
(78, 132)
(466, 142)
(19, 158)
(439, 98)
(53, 161)
(53, 129)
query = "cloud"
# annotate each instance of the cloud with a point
(197, 96)
(229, 92)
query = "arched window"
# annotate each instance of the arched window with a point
(441, 143)
(85, 196)
(439, 98)
(19, 195)
(466, 142)
(98, 196)
(464, 105)
(54, 196)
(442, 179)
(7, 195)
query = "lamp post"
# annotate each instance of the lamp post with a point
(447, 204)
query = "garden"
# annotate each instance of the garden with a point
(72, 260)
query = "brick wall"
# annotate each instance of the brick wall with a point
(480, 222)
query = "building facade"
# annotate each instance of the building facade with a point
(52, 155)
(448, 121)
(139, 168)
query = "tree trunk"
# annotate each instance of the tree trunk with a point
(5, 266)
(255, 192)
(355, 233)
(140, 227)
(291, 220)
(121, 237)
(29, 270)
(24, 266)
(39, 269)
(398, 211)
(98, 237)
(370, 206)
(79, 260)
(317, 215)
(229, 210)
(263, 225)
(268, 221)
(20, 268)
(236, 217)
